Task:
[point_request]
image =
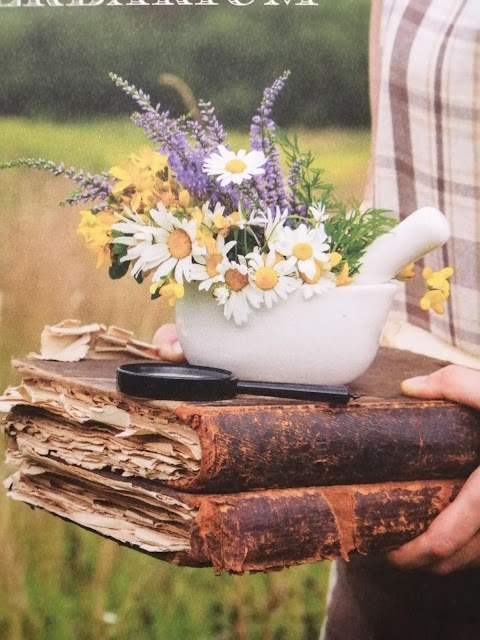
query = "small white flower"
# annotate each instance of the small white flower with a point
(317, 211)
(273, 277)
(272, 220)
(306, 245)
(205, 268)
(221, 293)
(241, 294)
(234, 167)
(167, 247)
(138, 237)
(208, 214)
(319, 284)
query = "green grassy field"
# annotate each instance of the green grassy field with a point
(59, 582)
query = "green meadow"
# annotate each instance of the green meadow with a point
(59, 582)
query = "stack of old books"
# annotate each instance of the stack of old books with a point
(243, 484)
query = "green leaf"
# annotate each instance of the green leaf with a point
(118, 269)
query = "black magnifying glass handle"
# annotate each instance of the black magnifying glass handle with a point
(310, 392)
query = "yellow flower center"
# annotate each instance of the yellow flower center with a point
(316, 277)
(179, 244)
(220, 222)
(302, 251)
(236, 280)
(235, 165)
(211, 264)
(266, 278)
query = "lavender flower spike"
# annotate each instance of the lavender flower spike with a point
(262, 138)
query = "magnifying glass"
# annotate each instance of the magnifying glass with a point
(162, 381)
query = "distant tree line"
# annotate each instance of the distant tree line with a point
(55, 61)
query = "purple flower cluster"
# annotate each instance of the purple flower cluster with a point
(293, 178)
(187, 142)
(174, 136)
(207, 130)
(90, 186)
(262, 138)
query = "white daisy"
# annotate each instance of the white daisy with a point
(205, 268)
(138, 237)
(221, 294)
(167, 247)
(272, 221)
(234, 167)
(209, 214)
(321, 282)
(175, 244)
(306, 245)
(242, 295)
(317, 211)
(274, 277)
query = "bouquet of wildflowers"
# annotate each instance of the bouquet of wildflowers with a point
(234, 224)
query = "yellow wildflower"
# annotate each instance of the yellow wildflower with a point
(342, 276)
(438, 289)
(434, 299)
(335, 258)
(407, 272)
(132, 176)
(437, 279)
(172, 291)
(211, 245)
(184, 198)
(96, 230)
(234, 217)
(221, 222)
(148, 158)
(140, 179)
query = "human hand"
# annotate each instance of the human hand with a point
(452, 541)
(166, 341)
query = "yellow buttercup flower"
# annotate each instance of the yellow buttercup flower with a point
(133, 177)
(96, 230)
(334, 258)
(148, 158)
(141, 180)
(342, 276)
(438, 289)
(171, 291)
(221, 222)
(437, 279)
(434, 299)
(407, 272)
(184, 198)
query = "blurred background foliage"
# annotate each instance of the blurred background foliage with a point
(55, 62)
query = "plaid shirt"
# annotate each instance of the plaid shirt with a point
(427, 146)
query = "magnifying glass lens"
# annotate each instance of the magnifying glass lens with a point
(175, 381)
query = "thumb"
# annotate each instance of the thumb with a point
(168, 346)
(453, 382)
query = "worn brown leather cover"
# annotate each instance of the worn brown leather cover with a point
(250, 442)
(276, 528)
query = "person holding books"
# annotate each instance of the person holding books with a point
(424, 71)
(424, 79)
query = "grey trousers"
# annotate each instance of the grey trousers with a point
(369, 600)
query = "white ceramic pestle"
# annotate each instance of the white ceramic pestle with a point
(415, 236)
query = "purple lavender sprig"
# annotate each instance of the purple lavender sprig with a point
(294, 175)
(172, 136)
(90, 186)
(215, 133)
(262, 138)
(185, 159)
